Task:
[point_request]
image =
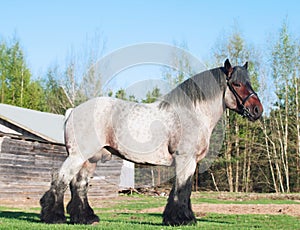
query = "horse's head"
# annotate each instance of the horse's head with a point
(239, 95)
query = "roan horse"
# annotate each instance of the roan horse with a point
(173, 131)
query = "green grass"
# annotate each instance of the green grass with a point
(124, 214)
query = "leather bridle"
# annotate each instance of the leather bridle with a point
(242, 109)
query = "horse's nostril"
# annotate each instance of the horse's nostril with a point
(256, 110)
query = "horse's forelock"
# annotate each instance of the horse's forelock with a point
(240, 74)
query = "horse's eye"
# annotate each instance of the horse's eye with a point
(236, 84)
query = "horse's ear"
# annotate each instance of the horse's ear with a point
(228, 67)
(246, 65)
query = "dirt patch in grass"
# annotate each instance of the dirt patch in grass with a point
(272, 209)
(95, 202)
(227, 196)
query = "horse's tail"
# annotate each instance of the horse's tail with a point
(67, 114)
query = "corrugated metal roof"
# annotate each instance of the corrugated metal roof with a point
(45, 125)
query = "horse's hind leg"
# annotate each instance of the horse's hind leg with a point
(52, 202)
(79, 208)
(178, 210)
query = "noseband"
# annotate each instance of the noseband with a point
(242, 109)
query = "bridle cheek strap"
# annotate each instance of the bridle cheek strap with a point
(240, 101)
(246, 98)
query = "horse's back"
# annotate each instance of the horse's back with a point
(138, 132)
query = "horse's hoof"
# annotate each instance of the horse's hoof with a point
(54, 219)
(179, 222)
(177, 216)
(95, 223)
(91, 220)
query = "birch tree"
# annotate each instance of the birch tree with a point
(236, 153)
(77, 80)
(283, 70)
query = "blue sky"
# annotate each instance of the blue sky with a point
(49, 29)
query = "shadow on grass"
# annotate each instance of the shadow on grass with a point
(130, 218)
(17, 215)
(139, 219)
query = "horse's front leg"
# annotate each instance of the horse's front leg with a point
(178, 210)
(52, 202)
(79, 208)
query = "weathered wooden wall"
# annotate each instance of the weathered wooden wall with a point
(26, 167)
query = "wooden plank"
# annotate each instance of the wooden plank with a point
(26, 147)
(26, 168)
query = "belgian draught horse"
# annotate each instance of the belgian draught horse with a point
(172, 131)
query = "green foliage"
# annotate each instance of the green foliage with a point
(56, 98)
(182, 69)
(284, 61)
(16, 86)
(36, 97)
(121, 94)
(152, 96)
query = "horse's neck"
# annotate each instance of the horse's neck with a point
(210, 111)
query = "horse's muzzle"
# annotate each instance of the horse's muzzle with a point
(253, 112)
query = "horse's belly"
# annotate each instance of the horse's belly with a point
(156, 157)
(144, 144)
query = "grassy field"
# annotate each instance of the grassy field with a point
(126, 213)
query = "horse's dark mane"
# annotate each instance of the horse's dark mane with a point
(239, 74)
(201, 87)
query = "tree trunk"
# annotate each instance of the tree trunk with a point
(2, 88)
(214, 181)
(280, 133)
(22, 87)
(286, 125)
(228, 156)
(244, 175)
(277, 159)
(267, 139)
(248, 172)
(237, 156)
(298, 132)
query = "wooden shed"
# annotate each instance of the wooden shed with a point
(32, 147)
